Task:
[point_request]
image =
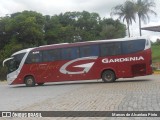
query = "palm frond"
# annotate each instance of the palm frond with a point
(144, 8)
(126, 11)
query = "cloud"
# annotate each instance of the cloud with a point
(10, 6)
(52, 7)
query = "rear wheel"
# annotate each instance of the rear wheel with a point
(108, 76)
(29, 81)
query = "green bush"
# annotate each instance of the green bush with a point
(156, 53)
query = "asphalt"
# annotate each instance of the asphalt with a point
(133, 94)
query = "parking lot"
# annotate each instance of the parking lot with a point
(133, 94)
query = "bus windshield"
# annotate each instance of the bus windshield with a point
(15, 62)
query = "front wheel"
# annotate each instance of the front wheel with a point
(108, 76)
(29, 81)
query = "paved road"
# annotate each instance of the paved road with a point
(134, 94)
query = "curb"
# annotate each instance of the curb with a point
(157, 72)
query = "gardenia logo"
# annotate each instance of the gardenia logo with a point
(127, 59)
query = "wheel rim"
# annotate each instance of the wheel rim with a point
(108, 77)
(29, 81)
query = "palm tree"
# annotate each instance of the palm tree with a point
(126, 12)
(143, 9)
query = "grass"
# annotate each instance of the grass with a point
(156, 53)
(156, 56)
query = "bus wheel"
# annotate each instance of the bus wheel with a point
(29, 81)
(108, 76)
(40, 84)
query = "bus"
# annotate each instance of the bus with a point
(101, 59)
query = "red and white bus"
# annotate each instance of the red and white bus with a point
(106, 59)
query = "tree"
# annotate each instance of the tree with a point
(27, 28)
(126, 12)
(112, 29)
(143, 9)
(58, 30)
(4, 36)
(8, 49)
(72, 27)
(157, 42)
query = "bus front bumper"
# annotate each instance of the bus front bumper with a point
(11, 79)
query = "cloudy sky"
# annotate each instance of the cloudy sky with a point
(52, 7)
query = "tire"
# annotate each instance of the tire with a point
(108, 76)
(40, 84)
(29, 81)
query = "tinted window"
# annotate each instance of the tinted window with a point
(15, 62)
(133, 46)
(70, 53)
(18, 58)
(51, 55)
(34, 57)
(110, 49)
(92, 50)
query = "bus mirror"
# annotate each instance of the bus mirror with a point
(6, 60)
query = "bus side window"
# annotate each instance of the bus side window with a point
(133, 46)
(51, 55)
(110, 49)
(34, 57)
(140, 45)
(92, 50)
(70, 53)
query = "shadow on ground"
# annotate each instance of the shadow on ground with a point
(85, 82)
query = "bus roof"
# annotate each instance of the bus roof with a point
(22, 51)
(61, 45)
